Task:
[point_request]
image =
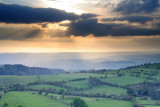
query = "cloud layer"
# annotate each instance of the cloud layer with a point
(91, 26)
(140, 14)
(137, 6)
(11, 13)
(132, 19)
(133, 11)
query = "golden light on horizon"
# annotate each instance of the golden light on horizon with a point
(81, 44)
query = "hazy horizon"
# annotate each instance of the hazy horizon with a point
(81, 60)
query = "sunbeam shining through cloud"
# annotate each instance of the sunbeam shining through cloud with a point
(79, 25)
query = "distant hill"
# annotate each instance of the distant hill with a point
(116, 64)
(81, 60)
(19, 69)
(146, 66)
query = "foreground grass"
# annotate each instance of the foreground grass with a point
(109, 103)
(26, 99)
(99, 102)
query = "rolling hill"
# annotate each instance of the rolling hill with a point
(19, 69)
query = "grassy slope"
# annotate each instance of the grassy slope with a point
(109, 103)
(27, 99)
(100, 102)
(104, 89)
(17, 79)
(124, 80)
(66, 77)
(92, 102)
(53, 78)
(148, 103)
(79, 84)
(44, 86)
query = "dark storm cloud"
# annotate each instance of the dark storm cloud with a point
(11, 13)
(88, 15)
(91, 26)
(137, 19)
(137, 6)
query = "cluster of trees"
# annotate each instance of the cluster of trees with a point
(78, 79)
(135, 104)
(93, 81)
(101, 71)
(146, 65)
(149, 77)
(78, 102)
(149, 89)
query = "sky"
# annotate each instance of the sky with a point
(46, 26)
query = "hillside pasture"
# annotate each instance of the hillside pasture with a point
(26, 99)
(44, 86)
(105, 89)
(107, 103)
(78, 84)
(124, 80)
(148, 103)
(67, 77)
(47, 78)
(17, 79)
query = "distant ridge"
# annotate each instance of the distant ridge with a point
(23, 70)
(146, 65)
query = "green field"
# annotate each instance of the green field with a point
(26, 99)
(109, 103)
(94, 102)
(17, 79)
(105, 89)
(124, 80)
(99, 102)
(67, 77)
(51, 78)
(79, 84)
(42, 86)
(148, 103)
(23, 91)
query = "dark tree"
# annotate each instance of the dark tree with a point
(5, 104)
(61, 91)
(46, 94)
(78, 102)
(39, 92)
(93, 81)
